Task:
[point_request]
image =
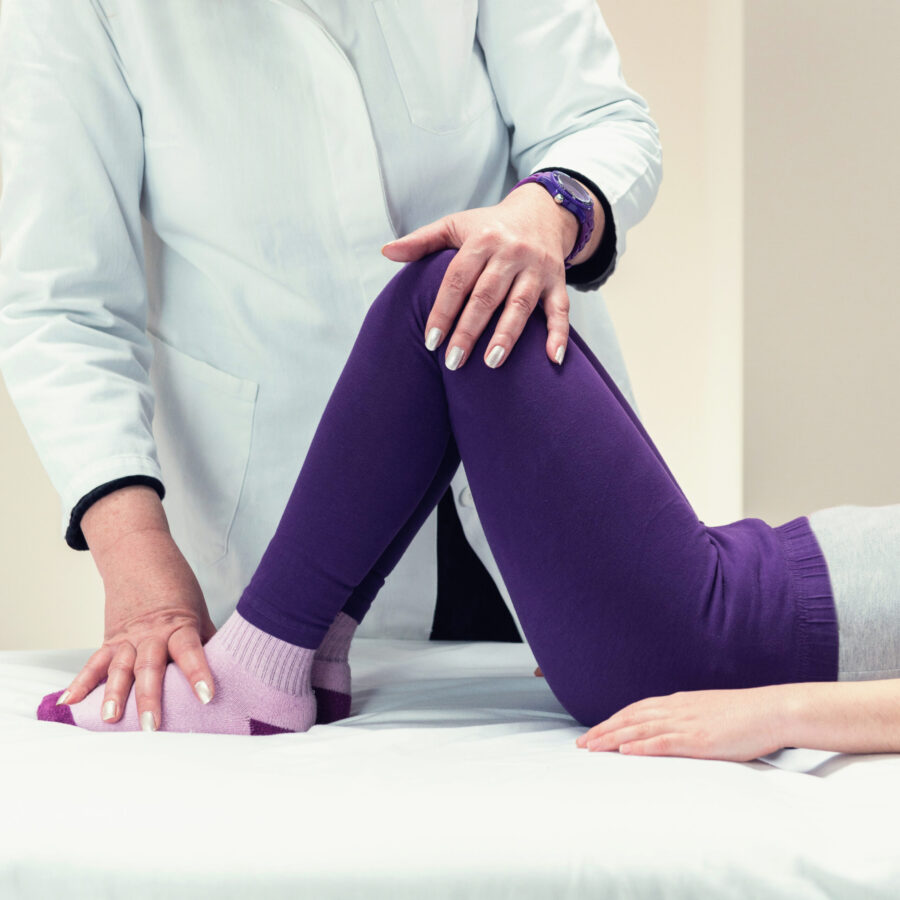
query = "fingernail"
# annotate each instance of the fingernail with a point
(434, 338)
(203, 691)
(560, 353)
(63, 697)
(148, 723)
(454, 357)
(109, 709)
(495, 356)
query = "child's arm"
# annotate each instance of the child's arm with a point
(743, 724)
(846, 716)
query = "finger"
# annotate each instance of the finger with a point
(121, 677)
(521, 300)
(459, 279)
(91, 674)
(490, 288)
(429, 238)
(149, 669)
(613, 739)
(187, 651)
(556, 308)
(660, 745)
(633, 714)
(538, 673)
(604, 727)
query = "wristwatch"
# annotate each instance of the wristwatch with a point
(566, 191)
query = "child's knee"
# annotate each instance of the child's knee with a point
(418, 283)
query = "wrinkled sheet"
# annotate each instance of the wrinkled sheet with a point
(456, 776)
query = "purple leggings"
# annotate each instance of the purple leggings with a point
(622, 592)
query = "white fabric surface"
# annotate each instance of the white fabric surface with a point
(456, 776)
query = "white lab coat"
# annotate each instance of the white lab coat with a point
(205, 185)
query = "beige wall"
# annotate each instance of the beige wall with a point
(50, 596)
(677, 298)
(822, 226)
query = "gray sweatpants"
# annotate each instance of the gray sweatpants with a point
(861, 545)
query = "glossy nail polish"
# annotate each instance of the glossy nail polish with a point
(454, 357)
(494, 357)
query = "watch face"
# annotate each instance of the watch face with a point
(573, 187)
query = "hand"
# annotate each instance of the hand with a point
(737, 725)
(514, 251)
(154, 609)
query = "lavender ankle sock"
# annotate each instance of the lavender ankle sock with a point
(331, 671)
(262, 686)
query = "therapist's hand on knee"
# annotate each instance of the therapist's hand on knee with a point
(154, 606)
(515, 252)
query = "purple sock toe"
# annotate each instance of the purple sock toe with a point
(48, 711)
(331, 706)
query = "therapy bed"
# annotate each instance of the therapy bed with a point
(456, 776)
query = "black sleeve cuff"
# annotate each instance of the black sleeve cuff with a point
(74, 535)
(595, 270)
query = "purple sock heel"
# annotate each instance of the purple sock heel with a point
(331, 706)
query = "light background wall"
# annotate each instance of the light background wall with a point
(822, 224)
(755, 303)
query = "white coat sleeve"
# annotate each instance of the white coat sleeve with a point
(74, 352)
(558, 80)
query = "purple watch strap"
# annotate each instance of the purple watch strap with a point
(584, 212)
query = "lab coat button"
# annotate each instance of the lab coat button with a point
(465, 497)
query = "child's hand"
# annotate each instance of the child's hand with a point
(736, 725)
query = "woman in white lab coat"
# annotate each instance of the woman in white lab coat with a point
(207, 189)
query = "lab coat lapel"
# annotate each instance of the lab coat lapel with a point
(353, 161)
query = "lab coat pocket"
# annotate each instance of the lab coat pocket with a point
(202, 423)
(438, 63)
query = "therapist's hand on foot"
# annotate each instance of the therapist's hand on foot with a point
(512, 252)
(737, 725)
(154, 607)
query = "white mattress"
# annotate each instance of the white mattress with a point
(456, 776)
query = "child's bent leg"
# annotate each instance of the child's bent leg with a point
(331, 677)
(331, 672)
(621, 590)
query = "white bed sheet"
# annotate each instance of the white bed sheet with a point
(456, 776)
